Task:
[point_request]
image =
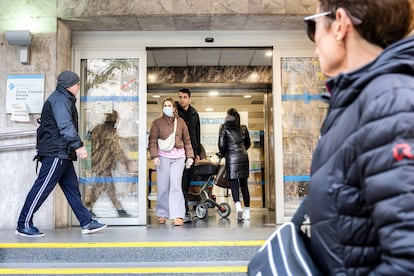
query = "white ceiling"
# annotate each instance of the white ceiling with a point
(177, 57)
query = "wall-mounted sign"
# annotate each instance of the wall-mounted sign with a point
(25, 89)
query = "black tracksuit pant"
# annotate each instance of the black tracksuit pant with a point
(53, 171)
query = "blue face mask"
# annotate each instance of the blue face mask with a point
(168, 110)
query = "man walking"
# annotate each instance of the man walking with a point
(190, 116)
(58, 145)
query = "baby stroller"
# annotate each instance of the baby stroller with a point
(210, 174)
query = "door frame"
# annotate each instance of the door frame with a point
(129, 43)
(141, 55)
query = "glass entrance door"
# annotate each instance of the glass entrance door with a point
(109, 116)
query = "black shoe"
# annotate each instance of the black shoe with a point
(240, 216)
(187, 219)
(92, 227)
(123, 214)
(31, 232)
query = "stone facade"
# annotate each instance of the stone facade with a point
(52, 21)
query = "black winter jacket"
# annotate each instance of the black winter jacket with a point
(57, 135)
(234, 141)
(192, 119)
(361, 193)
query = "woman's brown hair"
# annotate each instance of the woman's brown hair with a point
(380, 22)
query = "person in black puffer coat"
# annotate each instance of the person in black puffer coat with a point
(361, 193)
(233, 143)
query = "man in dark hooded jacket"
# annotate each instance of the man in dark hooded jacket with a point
(58, 145)
(190, 115)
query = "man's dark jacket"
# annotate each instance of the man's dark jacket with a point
(57, 135)
(191, 118)
(361, 193)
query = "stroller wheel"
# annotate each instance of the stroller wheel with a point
(201, 210)
(224, 210)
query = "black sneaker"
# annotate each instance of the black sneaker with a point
(240, 216)
(31, 232)
(187, 219)
(92, 227)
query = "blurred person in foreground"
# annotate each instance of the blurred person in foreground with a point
(361, 193)
(58, 145)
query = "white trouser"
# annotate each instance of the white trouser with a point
(170, 198)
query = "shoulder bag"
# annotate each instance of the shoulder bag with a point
(285, 252)
(169, 143)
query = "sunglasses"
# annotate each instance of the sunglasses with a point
(310, 23)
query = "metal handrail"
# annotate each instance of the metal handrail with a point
(17, 134)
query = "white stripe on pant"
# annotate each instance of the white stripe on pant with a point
(170, 199)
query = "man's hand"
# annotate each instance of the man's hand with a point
(188, 163)
(81, 153)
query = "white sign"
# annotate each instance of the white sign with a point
(20, 113)
(25, 89)
(209, 127)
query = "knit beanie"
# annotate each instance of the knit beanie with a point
(67, 79)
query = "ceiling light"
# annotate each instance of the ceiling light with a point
(156, 96)
(213, 93)
(269, 53)
(247, 96)
(209, 109)
(152, 78)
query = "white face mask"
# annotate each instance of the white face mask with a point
(168, 110)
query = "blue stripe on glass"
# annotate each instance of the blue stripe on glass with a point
(119, 179)
(305, 97)
(109, 99)
(296, 178)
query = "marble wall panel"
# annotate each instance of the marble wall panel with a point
(63, 44)
(264, 22)
(183, 14)
(153, 7)
(18, 173)
(235, 22)
(267, 6)
(211, 74)
(301, 6)
(229, 6)
(24, 8)
(157, 23)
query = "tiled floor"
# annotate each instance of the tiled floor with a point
(213, 227)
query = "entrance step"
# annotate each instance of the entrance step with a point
(121, 258)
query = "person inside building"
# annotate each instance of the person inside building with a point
(361, 192)
(58, 145)
(170, 160)
(233, 143)
(106, 154)
(190, 115)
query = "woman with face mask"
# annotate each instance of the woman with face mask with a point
(170, 163)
